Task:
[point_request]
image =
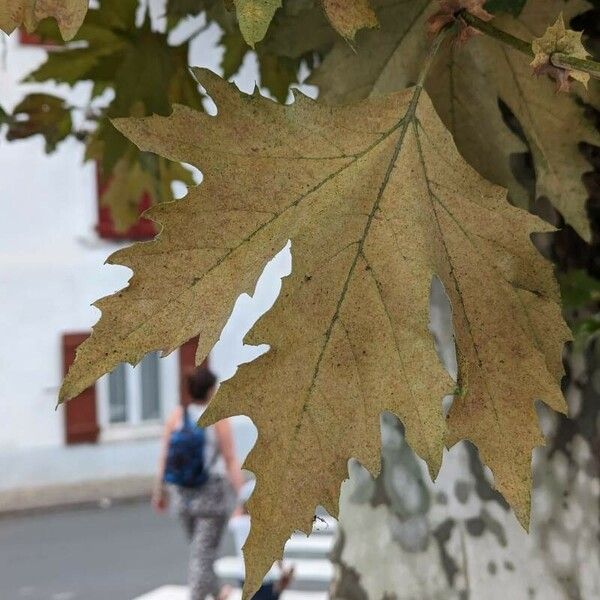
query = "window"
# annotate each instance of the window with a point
(117, 394)
(150, 376)
(134, 392)
(133, 401)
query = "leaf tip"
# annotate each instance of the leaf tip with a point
(523, 514)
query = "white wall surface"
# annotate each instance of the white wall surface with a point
(50, 266)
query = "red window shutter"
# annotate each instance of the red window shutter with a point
(81, 421)
(187, 363)
(144, 229)
(34, 39)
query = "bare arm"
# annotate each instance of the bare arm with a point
(158, 496)
(225, 440)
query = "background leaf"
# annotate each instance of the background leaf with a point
(69, 14)
(40, 114)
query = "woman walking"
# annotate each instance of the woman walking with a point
(204, 477)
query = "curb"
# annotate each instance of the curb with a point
(98, 492)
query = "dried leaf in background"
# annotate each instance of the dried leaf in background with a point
(69, 14)
(254, 17)
(349, 16)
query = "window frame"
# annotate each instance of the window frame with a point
(134, 427)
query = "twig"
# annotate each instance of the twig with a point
(558, 59)
(564, 61)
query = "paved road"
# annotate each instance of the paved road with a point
(115, 553)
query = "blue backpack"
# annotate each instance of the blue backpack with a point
(185, 457)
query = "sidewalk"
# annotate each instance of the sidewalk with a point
(44, 478)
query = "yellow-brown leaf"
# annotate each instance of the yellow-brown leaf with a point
(349, 16)
(68, 13)
(376, 201)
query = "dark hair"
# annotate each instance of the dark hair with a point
(200, 382)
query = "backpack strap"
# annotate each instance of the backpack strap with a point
(186, 418)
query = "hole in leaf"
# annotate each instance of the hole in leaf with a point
(440, 325)
(231, 351)
(179, 188)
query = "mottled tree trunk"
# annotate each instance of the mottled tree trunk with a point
(403, 537)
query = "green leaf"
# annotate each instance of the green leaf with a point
(277, 73)
(581, 300)
(217, 11)
(578, 289)
(179, 9)
(235, 50)
(299, 29)
(140, 80)
(69, 66)
(106, 145)
(40, 114)
(584, 330)
(119, 14)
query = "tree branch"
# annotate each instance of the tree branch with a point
(558, 59)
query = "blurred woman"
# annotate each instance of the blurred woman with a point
(204, 504)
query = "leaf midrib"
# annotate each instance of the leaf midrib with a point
(403, 124)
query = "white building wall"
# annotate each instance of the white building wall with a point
(50, 266)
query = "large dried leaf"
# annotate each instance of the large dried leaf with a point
(465, 87)
(376, 201)
(69, 14)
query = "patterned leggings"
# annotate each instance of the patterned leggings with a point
(204, 513)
